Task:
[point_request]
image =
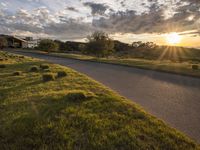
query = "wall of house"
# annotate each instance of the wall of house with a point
(24, 45)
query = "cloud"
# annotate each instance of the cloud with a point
(41, 21)
(70, 29)
(153, 21)
(97, 8)
(77, 22)
(72, 9)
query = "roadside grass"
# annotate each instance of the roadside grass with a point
(183, 68)
(177, 67)
(74, 112)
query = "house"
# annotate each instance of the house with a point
(15, 42)
(18, 42)
(32, 43)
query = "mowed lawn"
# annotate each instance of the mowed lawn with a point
(73, 112)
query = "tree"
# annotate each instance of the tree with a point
(3, 43)
(48, 45)
(137, 44)
(61, 45)
(100, 44)
(147, 45)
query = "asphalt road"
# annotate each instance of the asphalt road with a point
(172, 98)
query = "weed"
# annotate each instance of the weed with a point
(17, 73)
(195, 67)
(48, 77)
(76, 96)
(44, 66)
(34, 69)
(61, 74)
(2, 66)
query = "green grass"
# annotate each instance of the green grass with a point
(183, 68)
(177, 67)
(74, 112)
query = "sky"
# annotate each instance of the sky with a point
(124, 20)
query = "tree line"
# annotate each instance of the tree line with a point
(98, 44)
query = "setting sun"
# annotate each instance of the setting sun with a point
(173, 38)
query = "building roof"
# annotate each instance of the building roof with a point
(19, 39)
(10, 36)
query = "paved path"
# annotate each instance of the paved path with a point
(173, 98)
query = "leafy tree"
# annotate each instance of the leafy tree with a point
(3, 43)
(100, 44)
(121, 47)
(137, 44)
(140, 44)
(61, 45)
(48, 45)
(74, 46)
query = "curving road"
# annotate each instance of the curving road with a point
(173, 98)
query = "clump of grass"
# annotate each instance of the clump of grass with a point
(34, 69)
(78, 95)
(195, 67)
(61, 74)
(1, 59)
(17, 73)
(44, 66)
(2, 66)
(46, 70)
(48, 77)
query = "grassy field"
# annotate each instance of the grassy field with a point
(179, 67)
(184, 68)
(73, 112)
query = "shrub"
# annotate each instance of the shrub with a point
(1, 59)
(34, 69)
(48, 45)
(44, 66)
(48, 77)
(79, 95)
(2, 66)
(46, 70)
(21, 57)
(100, 44)
(17, 73)
(61, 74)
(76, 96)
(195, 67)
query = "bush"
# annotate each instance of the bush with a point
(195, 67)
(48, 45)
(99, 44)
(1, 59)
(44, 66)
(21, 57)
(46, 70)
(34, 69)
(76, 96)
(79, 95)
(17, 73)
(2, 66)
(61, 74)
(48, 77)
